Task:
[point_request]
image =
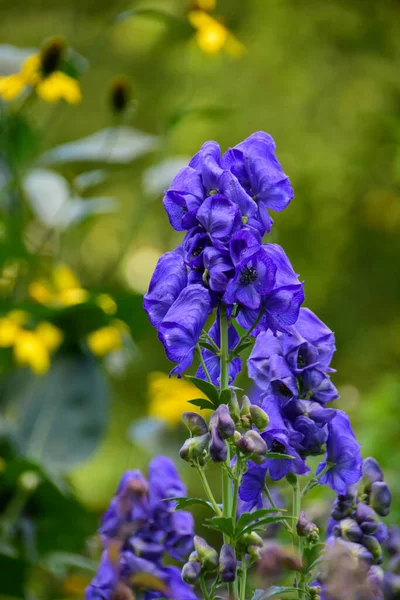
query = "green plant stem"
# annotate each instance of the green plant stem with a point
(208, 491)
(213, 344)
(297, 540)
(203, 364)
(203, 589)
(227, 499)
(236, 487)
(244, 578)
(271, 501)
(315, 480)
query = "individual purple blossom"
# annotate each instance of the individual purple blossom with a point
(343, 457)
(219, 268)
(212, 361)
(207, 163)
(181, 327)
(283, 443)
(184, 198)
(220, 218)
(194, 244)
(167, 282)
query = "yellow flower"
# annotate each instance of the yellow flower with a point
(168, 397)
(107, 304)
(50, 335)
(39, 72)
(10, 326)
(212, 36)
(106, 339)
(64, 289)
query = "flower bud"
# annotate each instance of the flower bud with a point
(233, 405)
(306, 528)
(236, 436)
(351, 530)
(259, 454)
(225, 423)
(246, 445)
(315, 592)
(343, 506)
(227, 564)
(367, 518)
(254, 552)
(371, 472)
(194, 447)
(193, 557)
(191, 572)
(120, 94)
(245, 407)
(259, 417)
(252, 539)
(380, 498)
(208, 556)
(195, 423)
(51, 55)
(218, 449)
(373, 546)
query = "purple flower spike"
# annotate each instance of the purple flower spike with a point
(182, 325)
(220, 218)
(169, 279)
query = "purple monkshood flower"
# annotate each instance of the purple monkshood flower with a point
(169, 279)
(342, 455)
(213, 362)
(181, 327)
(220, 218)
(220, 268)
(184, 198)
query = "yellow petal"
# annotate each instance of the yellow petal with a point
(11, 86)
(18, 316)
(107, 304)
(8, 332)
(168, 397)
(50, 335)
(64, 278)
(30, 71)
(59, 86)
(72, 297)
(104, 340)
(211, 34)
(40, 292)
(30, 351)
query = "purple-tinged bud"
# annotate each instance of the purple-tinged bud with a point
(191, 572)
(373, 546)
(218, 449)
(394, 564)
(254, 552)
(259, 454)
(351, 530)
(371, 472)
(236, 436)
(227, 564)
(193, 557)
(225, 423)
(246, 445)
(343, 506)
(259, 417)
(234, 408)
(194, 447)
(208, 556)
(380, 498)
(195, 423)
(367, 518)
(391, 586)
(306, 528)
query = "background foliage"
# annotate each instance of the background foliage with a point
(323, 79)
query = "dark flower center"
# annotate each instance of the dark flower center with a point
(51, 55)
(277, 447)
(301, 360)
(196, 252)
(248, 275)
(284, 391)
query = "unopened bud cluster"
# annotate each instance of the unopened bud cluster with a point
(204, 561)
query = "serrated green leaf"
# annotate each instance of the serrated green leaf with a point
(222, 524)
(207, 388)
(274, 590)
(225, 396)
(279, 455)
(241, 347)
(207, 346)
(202, 403)
(247, 518)
(182, 503)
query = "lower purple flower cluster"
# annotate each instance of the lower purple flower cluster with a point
(138, 528)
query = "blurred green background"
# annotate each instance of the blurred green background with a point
(323, 78)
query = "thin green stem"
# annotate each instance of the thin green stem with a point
(297, 540)
(208, 491)
(238, 474)
(204, 589)
(244, 578)
(271, 501)
(249, 331)
(315, 480)
(203, 364)
(209, 339)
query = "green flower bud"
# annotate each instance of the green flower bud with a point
(291, 478)
(245, 408)
(234, 408)
(252, 539)
(191, 572)
(259, 417)
(372, 545)
(194, 447)
(254, 552)
(195, 423)
(208, 556)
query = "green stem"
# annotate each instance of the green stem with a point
(209, 339)
(244, 578)
(297, 540)
(273, 505)
(203, 589)
(203, 364)
(208, 491)
(236, 487)
(315, 480)
(227, 499)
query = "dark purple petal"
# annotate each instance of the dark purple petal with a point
(219, 266)
(220, 218)
(244, 244)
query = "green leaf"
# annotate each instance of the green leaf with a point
(260, 523)
(222, 524)
(202, 403)
(311, 556)
(275, 590)
(182, 503)
(207, 388)
(65, 413)
(247, 518)
(278, 455)
(225, 396)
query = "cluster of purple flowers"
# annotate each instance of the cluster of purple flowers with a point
(138, 528)
(291, 371)
(222, 203)
(355, 528)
